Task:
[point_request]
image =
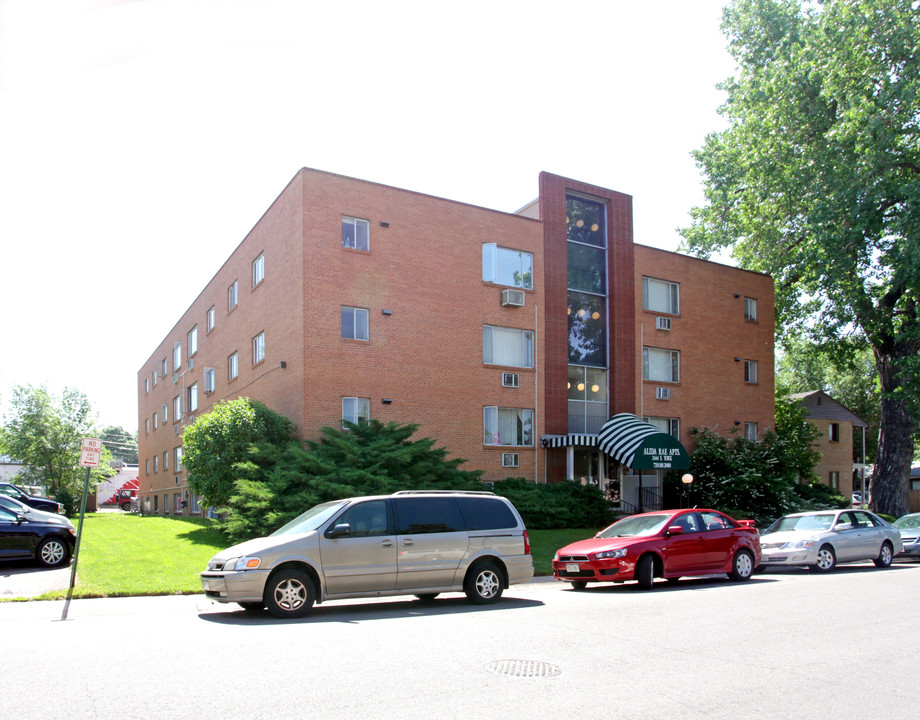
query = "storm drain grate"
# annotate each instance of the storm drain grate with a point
(523, 668)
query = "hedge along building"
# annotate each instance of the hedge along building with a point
(510, 338)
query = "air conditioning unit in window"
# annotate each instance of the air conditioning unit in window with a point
(191, 363)
(512, 298)
(662, 393)
(509, 459)
(510, 379)
(663, 323)
(175, 377)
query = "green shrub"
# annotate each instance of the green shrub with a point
(553, 506)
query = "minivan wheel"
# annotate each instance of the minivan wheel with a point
(289, 593)
(483, 584)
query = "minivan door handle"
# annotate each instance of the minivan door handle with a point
(386, 543)
(408, 541)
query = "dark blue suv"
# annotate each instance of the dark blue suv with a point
(39, 503)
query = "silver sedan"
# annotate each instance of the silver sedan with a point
(822, 539)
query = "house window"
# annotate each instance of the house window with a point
(258, 270)
(212, 318)
(147, 466)
(166, 459)
(164, 368)
(355, 233)
(504, 266)
(155, 377)
(177, 357)
(587, 394)
(356, 410)
(146, 385)
(750, 431)
(177, 408)
(507, 426)
(670, 426)
(156, 463)
(193, 397)
(232, 295)
(178, 503)
(196, 504)
(147, 426)
(660, 296)
(750, 309)
(507, 346)
(209, 380)
(585, 221)
(834, 432)
(177, 459)
(354, 323)
(193, 341)
(750, 371)
(164, 410)
(660, 365)
(258, 348)
(833, 479)
(587, 326)
(155, 421)
(233, 366)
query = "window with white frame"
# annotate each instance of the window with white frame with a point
(232, 295)
(507, 426)
(164, 368)
(193, 397)
(587, 399)
(660, 365)
(177, 408)
(507, 346)
(166, 459)
(177, 459)
(164, 410)
(355, 323)
(670, 426)
(212, 318)
(504, 266)
(155, 378)
(147, 466)
(356, 410)
(833, 479)
(258, 348)
(196, 503)
(177, 357)
(660, 296)
(156, 423)
(178, 502)
(258, 269)
(147, 426)
(193, 341)
(750, 308)
(355, 233)
(233, 366)
(146, 385)
(750, 431)
(750, 371)
(156, 463)
(209, 379)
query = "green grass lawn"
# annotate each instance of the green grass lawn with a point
(152, 555)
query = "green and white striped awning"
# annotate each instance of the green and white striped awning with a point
(556, 441)
(640, 445)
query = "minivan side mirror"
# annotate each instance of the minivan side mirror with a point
(339, 531)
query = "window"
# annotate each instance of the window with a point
(156, 423)
(587, 325)
(193, 397)
(507, 426)
(660, 365)
(233, 366)
(585, 221)
(833, 432)
(485, 513)
(365, 519)
(419, 516)
(165, 412)
(671, 426)
(196, 503)
(209, 380)
(177, 357)
(354, 323)
(212, 318)
(507, 346)
(258, 269)
(147, 466)
(750, 308)
(156, 463)
(164, 368)
(232, 296)
(177, 408)
(166, 460)
(155, 378)
(833, 479)
(177, 459)
(750, 371)
(193, 341)
(750, 431)
(715, 521)
(147, 426)
(355, 233)
(146, 385)
(178, 503)
(504, 266)
(258, 348)
(587, 393)
(660, 296)
(356, 410)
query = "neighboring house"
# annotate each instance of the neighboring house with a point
(9, 468)
(509, 338)
(840, 444)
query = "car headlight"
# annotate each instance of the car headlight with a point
(799, 544)
(242, 563)
(608, 554)
(556, 557)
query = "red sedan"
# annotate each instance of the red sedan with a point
(666, 544)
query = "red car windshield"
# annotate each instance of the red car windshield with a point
(636, 526)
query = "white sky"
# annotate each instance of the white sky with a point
(140, 140)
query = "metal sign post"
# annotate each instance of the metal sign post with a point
(90, 454)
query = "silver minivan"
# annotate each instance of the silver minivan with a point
(420, 543)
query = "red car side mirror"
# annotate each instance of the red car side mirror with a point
(675, 530)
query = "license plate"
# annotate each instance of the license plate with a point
(571, 567)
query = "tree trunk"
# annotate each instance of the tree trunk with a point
(890, 477)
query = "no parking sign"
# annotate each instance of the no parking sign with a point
(90, 452)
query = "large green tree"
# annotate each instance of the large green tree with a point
(816, 180)
(224, 437)
(45, 433)
(121, 443)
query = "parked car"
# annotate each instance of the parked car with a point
(44, 537)
(408, 543)
(667, 544)
(823, 539)
(17, 507)
(909, 528)
(39, 503)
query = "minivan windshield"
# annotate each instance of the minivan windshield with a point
(311, 519)
(638, 526)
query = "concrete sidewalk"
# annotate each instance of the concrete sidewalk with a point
(24, 580)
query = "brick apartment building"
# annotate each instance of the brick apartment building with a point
(510, 338)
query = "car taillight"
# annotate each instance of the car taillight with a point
(526, 543)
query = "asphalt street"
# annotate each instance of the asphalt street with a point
(785, 644)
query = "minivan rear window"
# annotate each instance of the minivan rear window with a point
(483, 513)
(418, 516)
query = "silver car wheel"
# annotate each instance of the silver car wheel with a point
(483, 583)
(290, 595)
(826, 559)
(742, 566)
(487, 584)
(52, 552)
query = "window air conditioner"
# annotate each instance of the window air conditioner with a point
(509, 459)
(662, 393)
(510, 379)
(175, 377)
(191, 363)
(663, 323)
(512, 298)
